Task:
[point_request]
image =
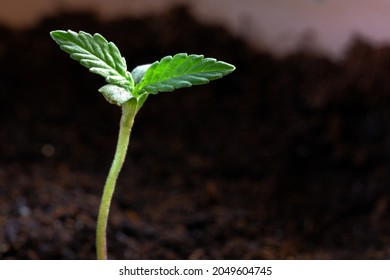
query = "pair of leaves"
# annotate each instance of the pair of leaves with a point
(103, 58)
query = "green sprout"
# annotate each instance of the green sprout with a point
(130, 90)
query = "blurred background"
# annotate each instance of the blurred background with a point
(286, 158)
(279, 25)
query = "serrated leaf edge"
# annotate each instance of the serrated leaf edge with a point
(200, 76)
(112, 63)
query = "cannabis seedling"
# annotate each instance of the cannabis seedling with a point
(130, 91)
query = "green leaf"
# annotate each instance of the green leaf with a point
(180, 71)
(139, 72)
(97, 54)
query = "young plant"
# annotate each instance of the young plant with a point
(129, 90)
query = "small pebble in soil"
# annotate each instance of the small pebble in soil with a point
(48, 150)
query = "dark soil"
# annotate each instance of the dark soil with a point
(285, 158)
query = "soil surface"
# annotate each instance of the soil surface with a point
(286, 158)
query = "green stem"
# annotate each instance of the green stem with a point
(129, 110)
